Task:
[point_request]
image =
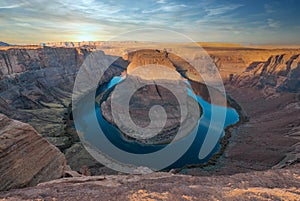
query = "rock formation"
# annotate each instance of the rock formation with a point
(26, 158)
(146, 57)
(269, 185)
(144, 99)
(280, 72)
(161, 83)
(268, 93)
(36, 86)
(4, 44)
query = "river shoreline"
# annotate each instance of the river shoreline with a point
(223, 141)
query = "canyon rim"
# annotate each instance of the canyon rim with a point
(107, 100)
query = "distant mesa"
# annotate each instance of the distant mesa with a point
(212, 44)
(4, 44)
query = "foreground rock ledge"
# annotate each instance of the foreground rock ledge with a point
(280, 184)
(26, 159)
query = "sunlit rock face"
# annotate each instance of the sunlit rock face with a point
(279, 72)
(155, 72)
(166, 59)
(26, 158)
(146, 57)
(154, 99)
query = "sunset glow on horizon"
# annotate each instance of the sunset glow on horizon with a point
(232, 21)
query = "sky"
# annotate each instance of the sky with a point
(231, 21)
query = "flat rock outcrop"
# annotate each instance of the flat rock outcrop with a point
(267, 185)
(26, 158)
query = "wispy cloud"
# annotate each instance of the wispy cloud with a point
(269, 8)
(273, 23)
(40, 20)
(24, 24)
(10, 5)
(166, 8)
(161, 1)
(217, 11)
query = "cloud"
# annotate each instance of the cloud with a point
(166, 8)
(10, 5)
(161, 1)
(220, 10)
(24, 24)
(269, 8)
(273, 23)
(39, 20)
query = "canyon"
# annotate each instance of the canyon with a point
(147, 68)
(261, 159)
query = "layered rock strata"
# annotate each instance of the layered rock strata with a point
(26, 158)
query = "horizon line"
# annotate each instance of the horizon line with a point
(142, 41)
